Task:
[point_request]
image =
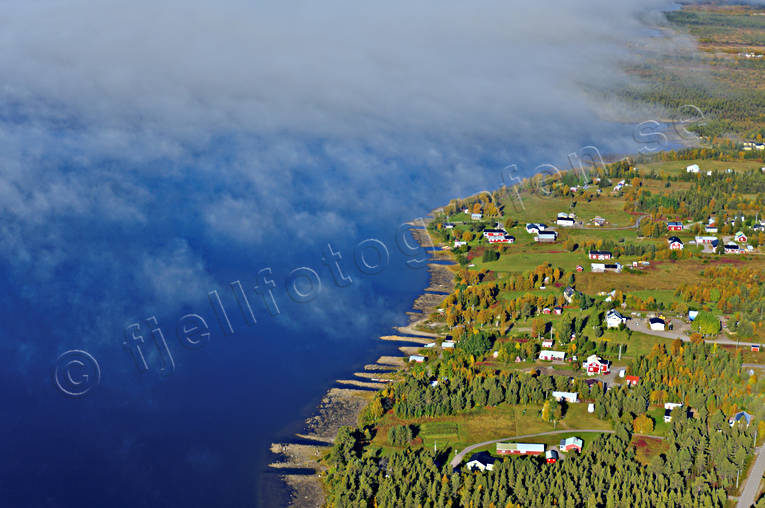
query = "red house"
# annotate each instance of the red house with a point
(755, 348)
(595, 365)
(600, 254)
(632, 380)
(674, 226)
(579, 268)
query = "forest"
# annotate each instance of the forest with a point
(702, 458)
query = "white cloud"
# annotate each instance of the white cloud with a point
(132, 131)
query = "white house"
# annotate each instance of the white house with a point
(614, 319)
(675, 243)
(571, 443)
(598, 267)
(447, 344)
(565, 221)
(550, 355)
(546, 236)
(459, 244)
(481, 461)
(733, 248)
(710, 228)
(693, 168)
(520, 448)
(705, 239)
(657, 324)
(533, 229)
(416, 358)
(476, 216)
(668, 407)
(548, 343)
(570, 397)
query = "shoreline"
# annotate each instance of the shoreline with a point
(342, 403)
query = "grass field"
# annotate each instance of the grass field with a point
(484, 424)
(678, 167)
(639, 344)
(537, 208)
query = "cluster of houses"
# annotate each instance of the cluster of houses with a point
(729, 247)
(732, 247)
(620, 185)
(751, 145)
(543, 234)
(695, 169)
(484, 461)
(594, 365)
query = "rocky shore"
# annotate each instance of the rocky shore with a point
(341, 406)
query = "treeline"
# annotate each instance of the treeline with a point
(703, 377)
(722, 195)
(730, 289)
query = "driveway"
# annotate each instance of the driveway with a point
(639, 325)
(752, 485)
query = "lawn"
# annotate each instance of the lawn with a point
(660, 427)
(641, 344)
(660, 275)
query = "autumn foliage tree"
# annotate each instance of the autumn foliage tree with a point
(643, 424)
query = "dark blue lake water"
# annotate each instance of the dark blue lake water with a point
(199, 435)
